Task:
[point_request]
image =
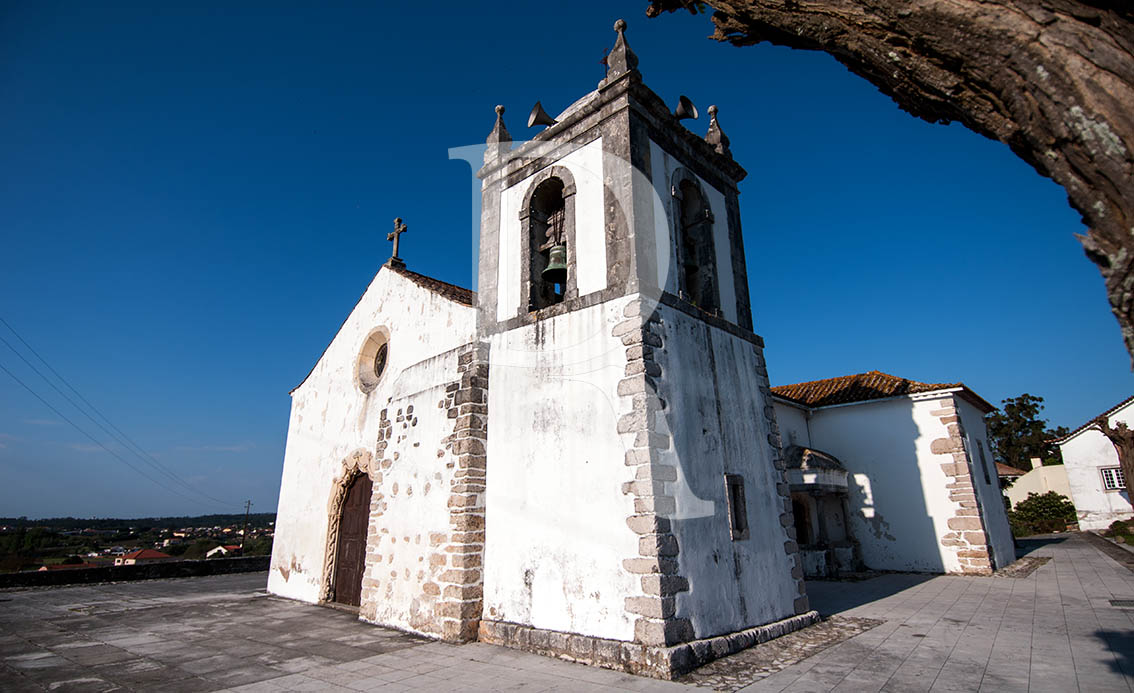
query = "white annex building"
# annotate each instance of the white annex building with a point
(892, 474)
(1040, 479)
(1098, 488)
(582, 459)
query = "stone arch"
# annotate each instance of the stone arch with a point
(530, 286)
(353, 465)
(694, 245)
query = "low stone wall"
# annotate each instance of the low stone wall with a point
(644, 660)
(144, 571)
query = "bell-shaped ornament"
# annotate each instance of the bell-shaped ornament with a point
(556, 271)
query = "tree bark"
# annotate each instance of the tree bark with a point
(1053, 79)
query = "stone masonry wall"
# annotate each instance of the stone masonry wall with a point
(966, 537)
(656, 561)
(444, 586)
(787, 517)
(461, 552)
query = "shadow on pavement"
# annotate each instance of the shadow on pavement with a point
(1121, 643)
(1031, 544)
(836, 596)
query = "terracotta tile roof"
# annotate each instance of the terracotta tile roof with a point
(1108, 413)
(1008, 470)
(450, 291)
(863, 387)
(146, 554)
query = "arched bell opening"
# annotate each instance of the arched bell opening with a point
(547, 221)
(696, 250)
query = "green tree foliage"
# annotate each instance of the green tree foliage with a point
(260, 546)
(1016, 433)
(199, 548)
(1041, 514)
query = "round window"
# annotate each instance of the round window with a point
(373, 359)
(380, 359)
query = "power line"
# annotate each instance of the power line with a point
(96, 441)
(136, 450)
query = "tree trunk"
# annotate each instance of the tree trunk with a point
(1053, 79)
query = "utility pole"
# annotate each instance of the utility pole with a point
(244, 532)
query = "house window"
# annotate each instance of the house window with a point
(737, 511)
(697, 279)
(1113, 478)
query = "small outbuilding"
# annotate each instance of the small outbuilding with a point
(1039, 480)
(892, 474)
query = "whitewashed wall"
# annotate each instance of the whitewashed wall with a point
(898, 505)
(662, 166)
(1084, 454)
(411, 502)
(715, 417)
(585, 165)
(331, 417)
(555, 523)
(792, 422)
(988, 493)
(1040, 480)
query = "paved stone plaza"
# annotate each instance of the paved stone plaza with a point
(1054, 630)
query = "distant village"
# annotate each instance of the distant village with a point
(72, 544)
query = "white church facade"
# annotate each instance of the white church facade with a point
(582, 459)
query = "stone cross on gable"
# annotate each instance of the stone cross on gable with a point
(395, 236)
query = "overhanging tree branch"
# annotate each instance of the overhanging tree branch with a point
(1053, 79)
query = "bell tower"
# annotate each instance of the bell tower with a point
(635, 498)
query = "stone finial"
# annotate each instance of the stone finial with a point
(499, 141)
(715, 136)
(621, 59)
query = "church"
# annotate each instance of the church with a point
(581, 459)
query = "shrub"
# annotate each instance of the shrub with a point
(1122, 531)
(1041, 514)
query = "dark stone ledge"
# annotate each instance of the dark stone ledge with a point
(144, 571)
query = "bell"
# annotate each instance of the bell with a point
(556, 271)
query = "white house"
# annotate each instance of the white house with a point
(1098, 488)
(581, 459)
(917, 490)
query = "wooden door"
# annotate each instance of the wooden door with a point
(350, 557)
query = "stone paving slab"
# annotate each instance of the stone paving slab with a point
(1052, 630)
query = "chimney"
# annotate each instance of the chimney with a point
(1036, 463)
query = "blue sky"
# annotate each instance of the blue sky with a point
(194, 196)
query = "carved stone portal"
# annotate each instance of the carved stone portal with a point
(356, 463)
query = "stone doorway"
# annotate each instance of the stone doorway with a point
(350, 553)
